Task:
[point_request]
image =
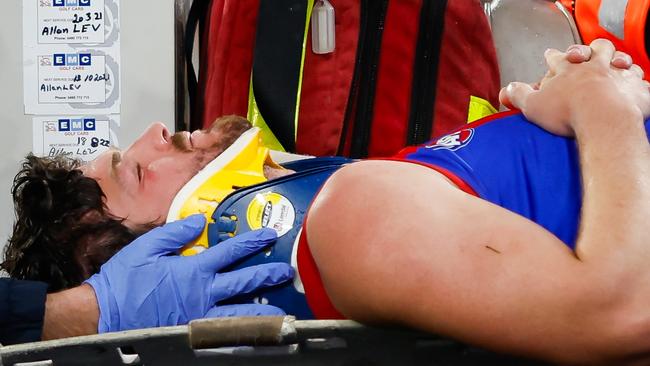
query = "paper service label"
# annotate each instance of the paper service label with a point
(71, 57)
(80, 137)
(72, 78)
(71, 21)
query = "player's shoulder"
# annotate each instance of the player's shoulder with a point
(373, 174)
(369, 188)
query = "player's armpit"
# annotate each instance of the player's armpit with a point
(397, 243)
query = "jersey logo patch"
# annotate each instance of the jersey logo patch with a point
(453, 141)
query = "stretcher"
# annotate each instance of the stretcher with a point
(255, 341)
(522, 30)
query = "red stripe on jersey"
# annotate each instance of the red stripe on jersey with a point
(317, 298)
(487, 119)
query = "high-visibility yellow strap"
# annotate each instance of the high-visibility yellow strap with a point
(310, 7)
(255, 117)
(479, 108)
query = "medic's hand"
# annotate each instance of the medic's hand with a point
(147, 285)
(595, 79)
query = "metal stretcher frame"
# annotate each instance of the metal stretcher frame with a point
(522, 30)
(255, 341)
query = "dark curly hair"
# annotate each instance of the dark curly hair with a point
(63, 232)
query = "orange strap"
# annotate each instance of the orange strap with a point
(621, 21)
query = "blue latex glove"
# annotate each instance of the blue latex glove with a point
(146, 285)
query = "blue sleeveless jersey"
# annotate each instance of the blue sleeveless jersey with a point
(515, 164)
(504, 159)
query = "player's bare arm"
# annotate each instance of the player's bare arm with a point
(464, 262)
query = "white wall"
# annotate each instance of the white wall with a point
(147, 36)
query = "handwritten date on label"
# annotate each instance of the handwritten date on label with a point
(94, 142)
(91, 77)
(76, 19)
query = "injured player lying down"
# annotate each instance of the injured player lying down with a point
(500, 234)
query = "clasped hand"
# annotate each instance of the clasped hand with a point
(585, 79)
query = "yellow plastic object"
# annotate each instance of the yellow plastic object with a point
(479, 108)
(255, 117)
(240, 165)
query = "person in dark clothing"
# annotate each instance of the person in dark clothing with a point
(22, 306)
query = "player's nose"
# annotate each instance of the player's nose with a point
(156, 136)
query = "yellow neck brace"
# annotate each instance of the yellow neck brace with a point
(240, 165)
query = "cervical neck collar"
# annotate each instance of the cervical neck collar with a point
(280, 204)
(235, 197)
(240, 165)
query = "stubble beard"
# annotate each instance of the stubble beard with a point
(227, 130)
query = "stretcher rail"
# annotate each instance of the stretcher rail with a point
(254, 341)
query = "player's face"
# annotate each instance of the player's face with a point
(141, 181)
